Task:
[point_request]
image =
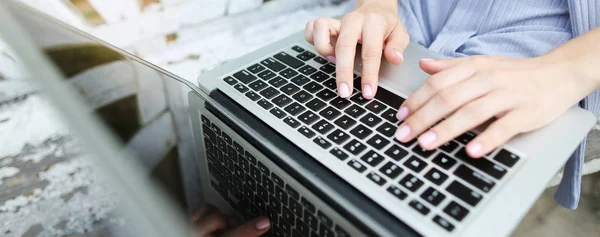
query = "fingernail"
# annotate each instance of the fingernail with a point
(262, 224)
(331, 58)
(427, 59)
(343, 90)
(474, 148)
(367, 92)
(400, 55)
(402, 132)
(427, 138)
(402, 113)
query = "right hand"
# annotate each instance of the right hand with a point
(209, 221)
(374, 24)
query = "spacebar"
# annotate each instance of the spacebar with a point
(384, 95)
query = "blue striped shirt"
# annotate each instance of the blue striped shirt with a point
(512, 28)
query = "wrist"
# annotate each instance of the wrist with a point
(379, 4)
(577, 68)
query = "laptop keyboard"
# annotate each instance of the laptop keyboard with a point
(253, 189)
(443, 185)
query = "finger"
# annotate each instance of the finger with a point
(345, 51)
(396, 42)
(466, 118)
(372, 46)
(432, 86)
(253, 228)
(431, 66)
(324, 30)
(498, 133)
(210, 224)
(203, 211)
(442, 104)
(309, 31)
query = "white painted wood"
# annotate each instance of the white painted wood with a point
(59, 9)
(111, 14)
(154, 141)
(238, 6)
(151, 93)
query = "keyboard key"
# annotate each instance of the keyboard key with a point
(397, 192)
(331, 84)
(397, 153)
(229, 80)
(449, 146)
(300, 80)
(288, 215)
(281, 195)
(301, 229)
(341, 232)
(316, 104)
(319, 76)
(288, 73)
(375, 107)
(289, 89)
(464, 193)
(278, 113)
(355, 111)
(307, 70)
(302, 96)
(320, 60)
(278, 82)
(244, 76)
(340, 103)
(256, 68)
(323, 127)
(411, 182)
(308, 117)
(443, 223)
(433, 196)
(308, 205)
(391, 170)
(376, 178)
(306, 132)
(272, 64)
(372, 158)
(345, 122)
(252, 96)
(389, 98)
(269, 93)
(387, 129)
(241, 88)
(330, 113)
(326, 94)
(355, 147)
(324, 219)
(415, 164)
(359, 99)
(291, 122)
(292, 192)
(361, 131)
(357, 166)
(313, 87)
(436, 176)
(422, 152)
(298, 49)
(264, 104)
(370, 120)
(281, 100)
(294, 109)
(251, 159)
(322, 142)
(296, 208)
(378, 142)
(258, 85)
(456, 211)
(444, 161)
(306, 56)
(339, 153)
(328, 68)
(506, 158)
(390, 115)
(419, 207)
(266, 75)
(482, 164)
(288, 60)
(475, 178)
(338, 136)
(465, 138)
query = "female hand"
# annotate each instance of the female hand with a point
(209, 221)
(375, 24)
(523, 94)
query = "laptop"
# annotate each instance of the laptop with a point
(271, 137)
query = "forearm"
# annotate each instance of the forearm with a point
(579, 57)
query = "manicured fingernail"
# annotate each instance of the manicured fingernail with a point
(427, 59)
(474, 148)
(402, 113)
(344, 90)
(367, 92)
(400, 55)
(262, 224)
(427, 138)
(402, 132)
(331, 58)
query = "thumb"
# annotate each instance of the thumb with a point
(396, 42)
(431, 66)
(253, 228)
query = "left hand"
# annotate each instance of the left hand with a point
(523, 94)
